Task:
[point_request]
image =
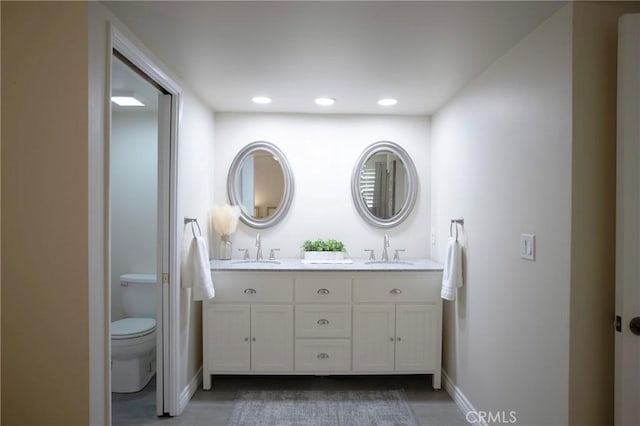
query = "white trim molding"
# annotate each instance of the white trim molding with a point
(461, 400)
(188, 392)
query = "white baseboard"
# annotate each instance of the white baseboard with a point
(461, 401)
(189, 390)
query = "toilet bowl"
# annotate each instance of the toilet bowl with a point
(133, 354)
(133, 338)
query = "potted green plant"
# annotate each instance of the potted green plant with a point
(321, 250)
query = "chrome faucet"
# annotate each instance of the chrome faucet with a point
(385, 253)
(259, 247)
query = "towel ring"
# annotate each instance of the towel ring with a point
(193, 220)
(456, 222)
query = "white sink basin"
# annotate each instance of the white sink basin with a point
(256, 262)
(388, 262)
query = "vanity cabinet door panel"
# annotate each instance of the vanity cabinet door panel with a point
(373, 337)
(416, 335)
(271, 338)
(227, 338)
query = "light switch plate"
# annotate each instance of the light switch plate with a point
(528, 246)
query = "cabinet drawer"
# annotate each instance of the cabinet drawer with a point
(323, 290)
(252, 288)
(390, 289)
(323, 355)
(323, 320)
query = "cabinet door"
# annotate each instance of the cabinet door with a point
(271, 338)
(416, 338)
(227, 338)
(373, 337)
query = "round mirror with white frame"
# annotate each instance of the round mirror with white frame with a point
(384, 184)
(261, 183)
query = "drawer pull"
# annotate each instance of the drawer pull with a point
(253, 339)
(323, 355)
(246, 339)
(391, 339)
(398, 339)
(323, 291)
(323, 321)
(249, 291)
(396, 291)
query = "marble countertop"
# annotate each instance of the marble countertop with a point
(405, 265)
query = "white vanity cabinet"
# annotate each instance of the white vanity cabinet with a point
(323, 322)
(248, 326)
(397, 323)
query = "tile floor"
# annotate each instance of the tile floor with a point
(212, 408)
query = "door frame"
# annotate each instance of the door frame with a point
(627, 345)
(168, 289)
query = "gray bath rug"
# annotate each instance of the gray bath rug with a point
(322, 408)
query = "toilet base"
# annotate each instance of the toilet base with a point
(133, 374)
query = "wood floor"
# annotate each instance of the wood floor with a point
(212, 408)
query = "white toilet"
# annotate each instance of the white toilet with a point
(133, 339)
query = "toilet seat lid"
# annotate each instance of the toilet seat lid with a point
(128, 328)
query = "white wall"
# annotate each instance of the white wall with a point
(501, 158)
(195, 193)
(322, 151)
(134, 202)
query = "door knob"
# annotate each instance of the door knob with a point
(634, 325)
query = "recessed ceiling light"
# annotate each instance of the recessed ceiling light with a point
(325, 101)
(387, 102)
(261, 100)
(126, 101)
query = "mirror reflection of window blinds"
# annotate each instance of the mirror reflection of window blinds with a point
(367, 184)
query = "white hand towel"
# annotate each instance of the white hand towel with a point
(198, 274)
(452, 273)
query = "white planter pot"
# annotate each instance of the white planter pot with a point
(324, 255)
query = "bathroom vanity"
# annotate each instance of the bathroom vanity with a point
(323, 319)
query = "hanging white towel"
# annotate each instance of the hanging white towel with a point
(198, 271)
(452, 273)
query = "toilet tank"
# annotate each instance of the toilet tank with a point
(138, 294)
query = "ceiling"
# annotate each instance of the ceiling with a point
(420, 53)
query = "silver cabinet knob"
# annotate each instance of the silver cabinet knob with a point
(323, 291)
(246, 339)
(253, 339)
(249, 291)
(396, 291)
(323, 321)
(391, 339)
(323, 355)
(398, 339)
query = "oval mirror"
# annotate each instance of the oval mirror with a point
(384, 184)
(261, 183)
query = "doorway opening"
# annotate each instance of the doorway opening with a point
(142, 255)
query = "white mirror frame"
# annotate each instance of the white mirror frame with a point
(287, 195)
(412, 190)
